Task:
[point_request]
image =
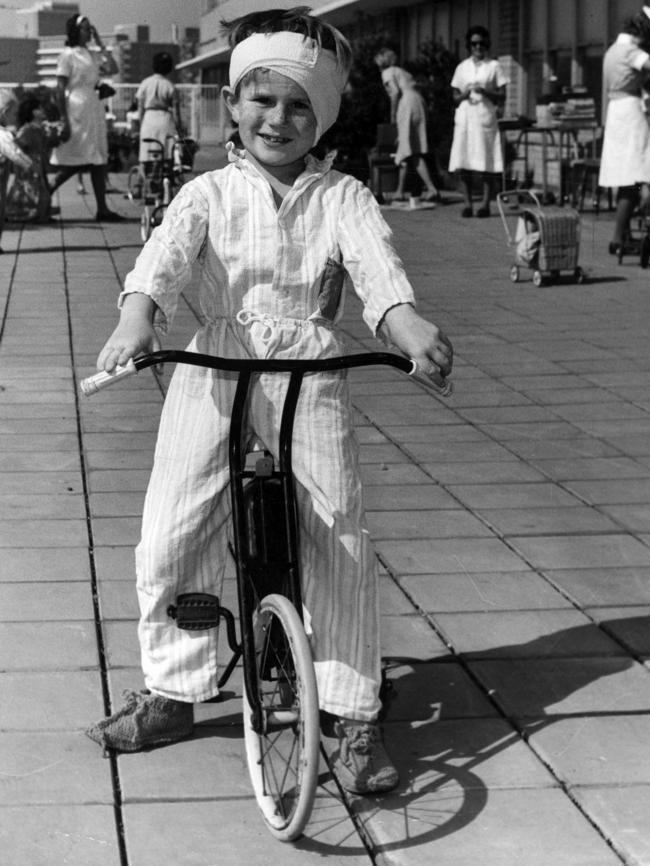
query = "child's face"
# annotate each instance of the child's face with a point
(277, 124)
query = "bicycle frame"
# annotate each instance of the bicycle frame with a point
(247, 368)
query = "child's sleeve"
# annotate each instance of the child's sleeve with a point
(376, 271)
(164, 266)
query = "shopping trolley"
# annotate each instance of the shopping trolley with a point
(545, 238)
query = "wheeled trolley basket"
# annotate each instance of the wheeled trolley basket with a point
(545, 238)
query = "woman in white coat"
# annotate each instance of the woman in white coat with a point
(479, 89)
(625, 158)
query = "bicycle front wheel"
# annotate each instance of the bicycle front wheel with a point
(283, 758)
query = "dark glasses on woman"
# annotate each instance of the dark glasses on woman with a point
(479, 42)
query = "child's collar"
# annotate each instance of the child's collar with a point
(313, 166)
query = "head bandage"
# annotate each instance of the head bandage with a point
(301, 59)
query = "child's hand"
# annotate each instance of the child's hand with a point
(420, 340)
(134, 335)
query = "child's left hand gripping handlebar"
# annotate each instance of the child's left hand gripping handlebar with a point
(103, 380)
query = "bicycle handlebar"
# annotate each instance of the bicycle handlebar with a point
(102, 380)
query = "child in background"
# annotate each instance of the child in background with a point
(29, 199)
(277, 235)
(10, 152)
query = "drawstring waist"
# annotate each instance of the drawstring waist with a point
(271, 324)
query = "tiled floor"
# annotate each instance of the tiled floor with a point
(512, 527)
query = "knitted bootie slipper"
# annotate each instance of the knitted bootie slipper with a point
(362, 763)
(145, 720)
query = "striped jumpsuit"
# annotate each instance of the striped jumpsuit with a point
(271, 285)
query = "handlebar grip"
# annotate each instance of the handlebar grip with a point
(101, 380)
(445, 390)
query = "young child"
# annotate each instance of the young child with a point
(276, 233)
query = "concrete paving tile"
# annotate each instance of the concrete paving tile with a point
(409, 637)
(391, 474)
(119, 504)
(407, 496)
(424, 433)
(444, 450)
(114, 563)
(44, 564)
(582, 551)
(39, 461)
(404, 410)
(125, 442)
(596, 468)
(442, 523)
(578, 397)
(596, 750)
(121, 643)
(118, 599)
(634, 518)
(43, 602)
(482, 591)
(533, 688)
(60, 833)
(393, 600)
(32, 506)
(24, 411)
(45, 768)
(233, 831)
(630, 626)
(381, 453)
(25, 426)
(109, 531)
(448, 556)
(43, 533)
(12, 483)
(547, 521)
(478, 472)
(422, 691)
(583, 446)
(528, 414)
(521, 496)
(604, 586)
(467, 398)
(524, 634)
(64, 442)
(52, 701)
(47, 646)
(626, 490)
(139, 423)
(121, 480)
(620, 813)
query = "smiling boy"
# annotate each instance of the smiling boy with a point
(277, 235)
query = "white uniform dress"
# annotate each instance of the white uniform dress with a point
(625, 158)
(476, 144)
(271, 282)
(156, 97)
(88, 142)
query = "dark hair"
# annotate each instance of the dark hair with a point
(638, 25)
(295, 20)
(72, 27)
(477, 30)
(26, 109)
(162, 63)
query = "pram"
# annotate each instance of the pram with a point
(545, 238)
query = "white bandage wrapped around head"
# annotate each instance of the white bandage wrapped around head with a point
(301, 59)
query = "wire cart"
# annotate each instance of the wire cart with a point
(545, 238)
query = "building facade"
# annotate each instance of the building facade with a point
(536, 40)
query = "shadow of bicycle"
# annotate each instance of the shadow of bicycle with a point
(449, 759)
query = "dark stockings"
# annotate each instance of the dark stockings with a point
(97, 179)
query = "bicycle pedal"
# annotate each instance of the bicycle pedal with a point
(195, 611)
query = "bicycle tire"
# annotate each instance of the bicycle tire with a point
(135, 183)
(283, 760)
(145, 223)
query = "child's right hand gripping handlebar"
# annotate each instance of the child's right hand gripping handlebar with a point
(102, 380)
